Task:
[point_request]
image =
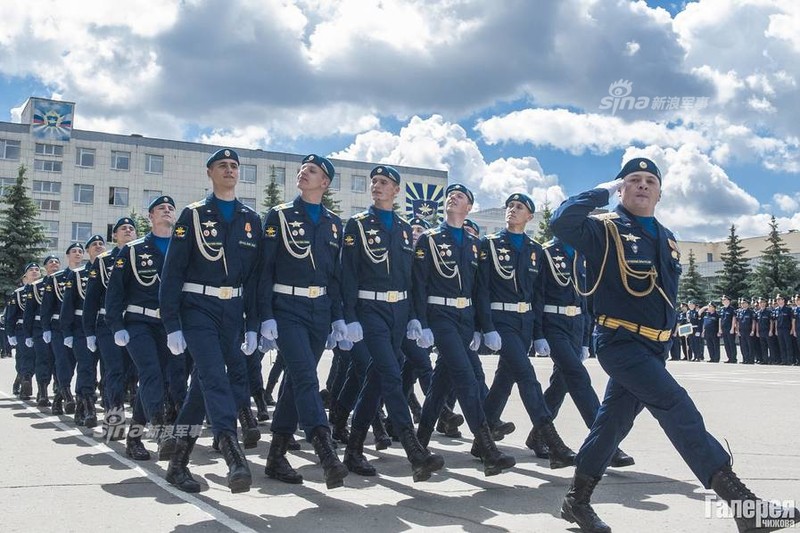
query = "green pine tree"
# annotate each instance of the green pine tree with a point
(143, 225)
(776, 271)
(272, 193)
(733, 279)
(545, 233)
(329, 201)
(22, 237)
(691, 286)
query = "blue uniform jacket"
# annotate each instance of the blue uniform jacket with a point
(559, 287)
(572, 224)
(53, 297)
(15, 311)
(763, 319)
(99, 271)
(783, 317)
(206, 250)
(299, 253)
(31, 318)
(726, 316)
(374, 258)
(745, 320)
(509, 276)
(443, 268)
(74, 295)
(711, 322)
(136, 281)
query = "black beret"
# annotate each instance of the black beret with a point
(461, 188)
(95, 238)
(386, 170)
(74, 245)
(417, 221)
(472, 224)
(161, 200)
(223, 153)
(121, 222)
(323, 163)
(50, 258)
(29, 266)
(725, 297)
(524, 199)
(639, 164)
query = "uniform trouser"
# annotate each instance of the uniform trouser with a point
(729, 341)
(219, 377)
(774, 350)
(332, 372)
(712, 344)
(763, 349)
(26, 357)
(44, 359)
(340, 366)
(417, 366)
(638, 378)
(86, 367)
(675, 349)
(384, 326)
(452, 332)
(745, 345)
(64, 359)
(178, 377)
(301, 341)
(796, 353)
(255, 381)
(786, 346)
(355, 377)
(756, 349)
(113, 367)
(685, 347)
(275, 372)
(696, 343)
(148, 348)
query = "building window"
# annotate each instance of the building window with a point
(148, 197)
(49, 149)
(118, 196)
(44, 165)
(47, 205)
(279, 174)
(50, 228)
(84, 157)
(120, 160)
(154, 164)
(359, 184)
(81, 231)
(50, 187)
(5, 184)
(9, 149)
(83, 194)
(709, 257)
(249, 202)
(247, 173)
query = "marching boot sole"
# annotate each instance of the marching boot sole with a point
(335, 477)
(424, 471)
(250, 438)
(240, 483)
(188, 486)
(498, 467)
(137, 456)
(567, 515)
(90, 422)
(361, 471)
(296, 479)
(69, 408)
(560, 462)
(382, 444)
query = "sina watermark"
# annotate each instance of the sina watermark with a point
(620, 98)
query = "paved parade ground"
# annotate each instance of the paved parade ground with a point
(58, 478)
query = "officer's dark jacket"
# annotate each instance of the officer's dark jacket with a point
(509, 276)
(374, 258)
(783, 317)
(136, 280)
(53, 296)
(557, 279)
(74, 296)
(693, 316)
(572, 224)
(15, 311)
(763, 319)
(31, 319)
(745, 320)
(443, 268)
(711, 323)
(299, 253)
(726, 316)
(99, 272)
(206, 250)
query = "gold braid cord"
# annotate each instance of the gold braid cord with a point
(36, 293)
(286, 234)
(103, 273)
(20, 300)
(203, 246)
(57, 290)
(562, 279)
(79, 283)
(505, 274)
(440, 265)
(375, 258)
(135, 270)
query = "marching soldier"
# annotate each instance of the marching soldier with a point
(208, 285)
(727, 316)
(26, 356)
(444, 276)
(32, 324)
(300, 301)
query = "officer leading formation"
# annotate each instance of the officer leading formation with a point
(206, 288)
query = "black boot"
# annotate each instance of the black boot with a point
(559, 454)
(423, 462)
(133, 443)
(449, 422)
(262, 415)
(337, 416)
(576, 509)
(537, 444)
(42, 398)
(114, 423)
(69, 401)
(80, 412)
(239, 477)
(382, 439)
(414, 407)
(494, 461)
(354, 458)
(278, 466)
(501, 429)
(170, 413)
(58, 404)
(335, 471)
(293, 444)
(326, 398)
(621, 459)
(25, 388)
(164, 437)
(91, 415)
(178, 470)
(16, 386)
(730, 488)
(250, 432)
(424, 435)
(268, 393)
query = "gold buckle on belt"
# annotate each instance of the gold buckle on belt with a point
(392, 296)
(571, 310)
(225, 293)
(522, 307)
(461, 302)
(313, 292)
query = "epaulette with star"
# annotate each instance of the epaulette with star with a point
(361, 216)
(195, 205)
(140, 240)
(611, 215)
(549, 244)
(104, 254)
(281, 207)
(432, 231)
(493, 236)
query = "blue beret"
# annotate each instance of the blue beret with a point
(224, 153)
(95, 238)
(321, 162)
(523, 198)
(472, 224)
(417, 221)
(161, 200)
(50, 258)
(386, 170)
(74, 245)
(461, 188)
(29, 266)
(639, 164)
(122, 222)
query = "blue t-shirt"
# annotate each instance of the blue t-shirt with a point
(569, 250)
(649, 225)
(162, 243)
(225, 208)
(516, 240)
(457, 233)
(314, 210)
(385, 216)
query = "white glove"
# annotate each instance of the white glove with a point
(475, 343)
(354, 332)
(68, 342)
(330, 343)
(91, 343)
(176, 343)
(339, 330)
(413, 330)
(345, 345)
(121, 337)
(269, 329)
(611, 186)
(29, 342)
(425, 340)
(250, 342)
(47, 336)
(12, 341)
(584, 353)
(541, 346)
(265, 344)
(493, 341)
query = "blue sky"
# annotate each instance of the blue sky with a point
(506, 96)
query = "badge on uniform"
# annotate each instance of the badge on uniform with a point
(676, 253)
(335, 231)
(420, 253)
(180, 231)
(248, 228)
(533, 258)
(271, 231)
(349, 240)
(93, 274)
